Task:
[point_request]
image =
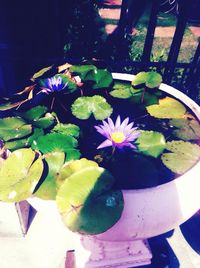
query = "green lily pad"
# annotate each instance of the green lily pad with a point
(67, 129)
(187, 129)
(101, 78)
(19, 175)
(54, 142)
(24, 142)
(146, 99)
(183, 155)
(153, 79)
(34, 113)
(82, 70)
(14, 128)
(151, 143)
(150, 79)
(167, 108)
(85, 202)
(45, 122)
(139, 79)
(72, 154)
(48, 189)
(121, 90)
(83, 107)
(73, 166)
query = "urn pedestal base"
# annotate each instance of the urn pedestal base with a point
(114, 254)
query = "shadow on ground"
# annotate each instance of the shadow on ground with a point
(191, 232)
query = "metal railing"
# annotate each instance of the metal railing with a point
(190, 75)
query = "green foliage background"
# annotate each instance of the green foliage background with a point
(84, 32)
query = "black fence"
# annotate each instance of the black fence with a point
(18, 64)
(188, 82)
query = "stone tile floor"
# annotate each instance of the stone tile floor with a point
(113, 14)
(47, 241)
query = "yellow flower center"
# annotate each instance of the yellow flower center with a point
(117, 137)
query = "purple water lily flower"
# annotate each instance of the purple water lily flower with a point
(119, 135)
(55, 83)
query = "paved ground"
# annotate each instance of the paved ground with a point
(113, 14)
(47, 241)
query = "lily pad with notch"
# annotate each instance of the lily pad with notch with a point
(67, 129)
(186, 128)
(101, 78)
(151, 143)
(149, 79)
(24, 142)
(19, 175)
(87, 204)
(82, 70)
(181, 156)
(167, 108)
(47, 189)
(84, 107)
(121, 90)
(14, 128)
(73, 166)
(54, 142)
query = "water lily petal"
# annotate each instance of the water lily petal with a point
(104, 144)
(111, 124)
(119, 134)
(129, 126)
(118, 122)
(101, 131)
(133, 136)
(125, 123)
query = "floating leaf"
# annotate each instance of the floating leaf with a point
(82, 70)
(187, 129)
(101, 78)
(153, 79)
(24, 142)
(9, 134)
(67, 129)
(121, 90)
(72, 154)
(13, 128)
(167, 108)
(139, 79)
(73, 166)
(19, 175)
(151, 143)
(54, 142)
(150, 79)
(86, 203)
(44, 122)
(83, 107)
(34, 113)
(11, 122)
(183, 155)
(148, 98)
(48, 189)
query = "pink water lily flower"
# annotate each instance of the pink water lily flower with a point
(119, 135)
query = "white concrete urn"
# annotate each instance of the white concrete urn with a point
(147, 212)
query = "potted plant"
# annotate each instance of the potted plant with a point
(118, 155)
